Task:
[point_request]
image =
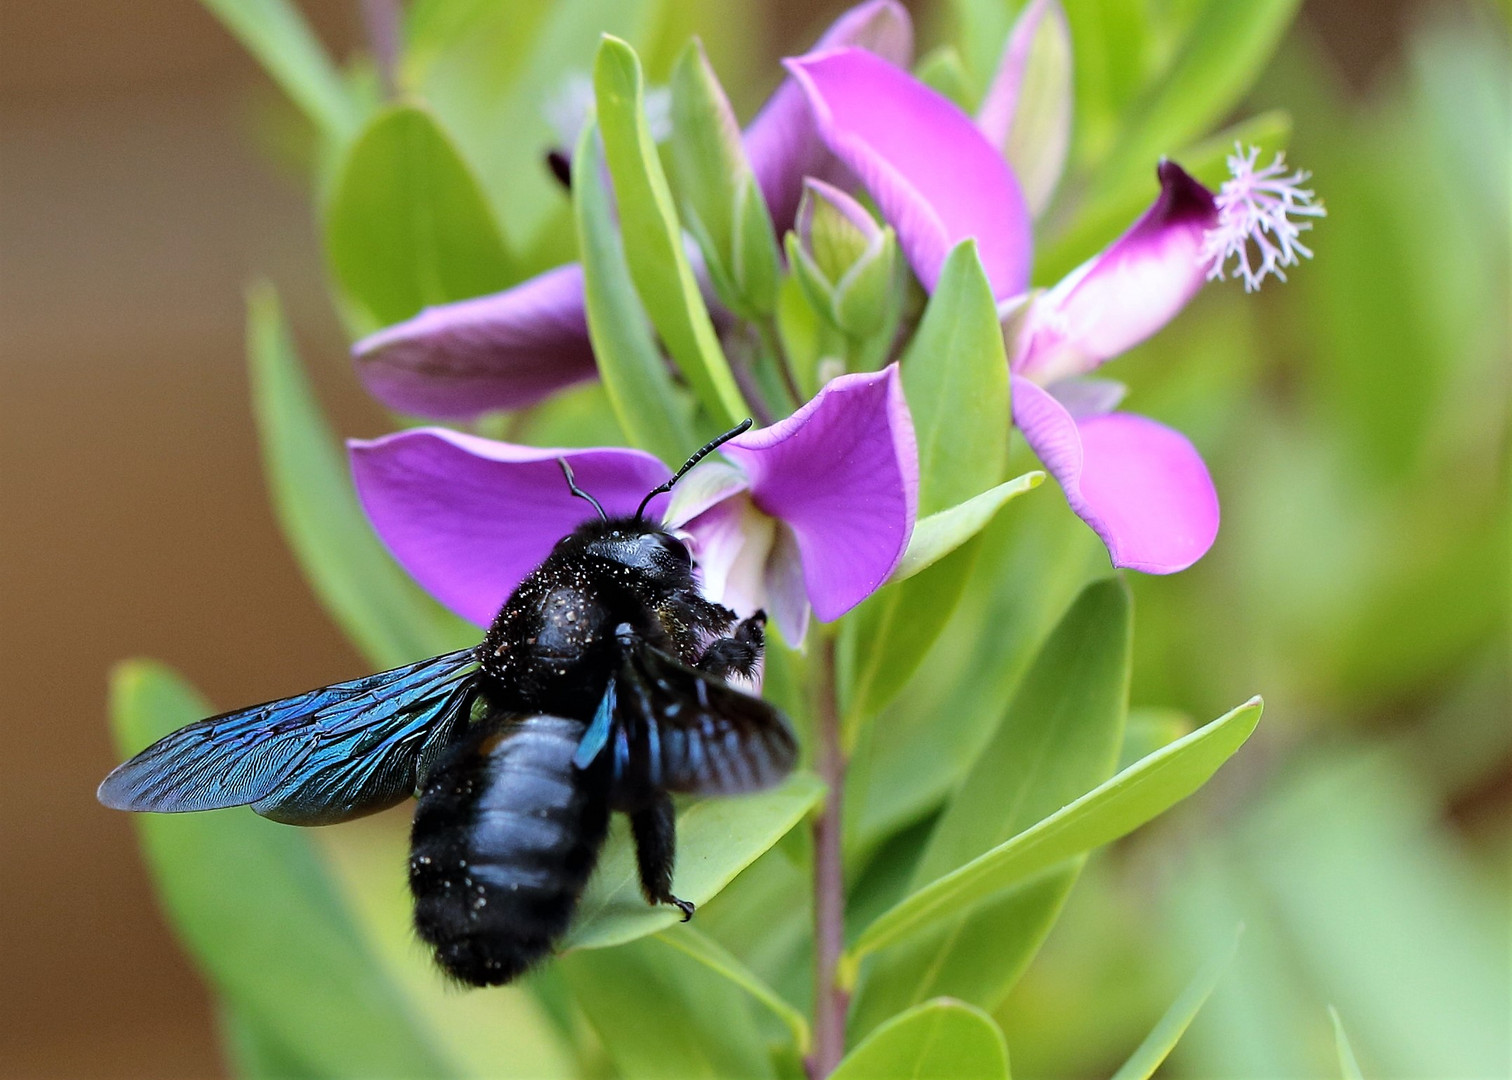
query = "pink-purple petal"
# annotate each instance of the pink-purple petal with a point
(935, 177)
(1141, 486)
(1123, 295)
(469, 517)
(504, 351)
(787, 597)
(842, 472)
(782, 144)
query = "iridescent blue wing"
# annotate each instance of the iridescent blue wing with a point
(682, 730)
(316, 758)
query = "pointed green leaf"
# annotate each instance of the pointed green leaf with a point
(374, 602)
(1059, 737)
(939, 534)
(1111, 810)
(276, 34)
(1349, 1065)
(955, 375)
(714, 956)
(716, 839)
(653, 235)
(647, 404)
(716, 189)
(255, 907)
(1039, 136)
(940, 1040)
(1151, 1053)
(407, 225)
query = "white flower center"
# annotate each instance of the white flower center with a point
(1256, 208)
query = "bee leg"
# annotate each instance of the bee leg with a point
(739, 653)
(655, 831)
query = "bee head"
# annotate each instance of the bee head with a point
(642, 545)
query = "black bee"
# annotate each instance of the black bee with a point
(599, 687)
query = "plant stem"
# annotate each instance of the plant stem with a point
(831, 1000)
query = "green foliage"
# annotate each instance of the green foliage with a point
(721, 204)
(1104, 814)
(1354, 425)
(276, 34)
(955, 376)
(1059, 737)
(1151, 1053)
(648, 408)
(939, 1040)
(379, 607)
(653, 237)
(407, 225)
(719, 839)
(252, 902)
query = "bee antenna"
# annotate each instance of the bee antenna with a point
(698, 455)
(579, 492)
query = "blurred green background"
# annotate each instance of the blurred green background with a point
(1356, 421)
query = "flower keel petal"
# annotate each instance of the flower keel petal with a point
(1120, 297)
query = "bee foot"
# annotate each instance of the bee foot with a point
(687, 907)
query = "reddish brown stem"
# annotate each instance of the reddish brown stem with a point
(831, 1000)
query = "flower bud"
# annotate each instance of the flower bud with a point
(843, 259)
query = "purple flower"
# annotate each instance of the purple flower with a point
(814, 511)
(938, 180)
(514, 348)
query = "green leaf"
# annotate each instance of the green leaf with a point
(498, 1034)
(1059, 737)
(508, 80)
(653, 235)
(883, 642)
(940, 1040)
(407, 225)
(717, 191)
(1111, 810)
(645, 400)
(1222, 55)
(941, 533)
(1349, 1066)
(716, 839)
(1039, 136)
(714, 956)
(256, 1055)
(373, 601)
(955, 376)
(1151, 1053)
(276, 34)
(255, 907)
(660, 1014)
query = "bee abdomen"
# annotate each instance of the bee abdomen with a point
(505, 836)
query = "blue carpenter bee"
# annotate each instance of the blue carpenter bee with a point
(599, 687)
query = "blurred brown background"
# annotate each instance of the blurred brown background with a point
(134, 208)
